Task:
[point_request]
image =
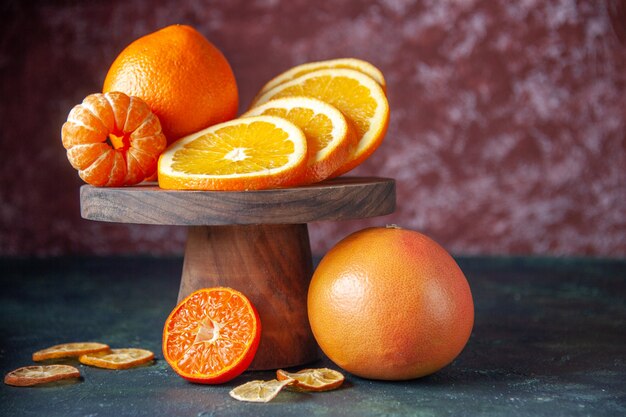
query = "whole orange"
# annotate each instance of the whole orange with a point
(184, 78)
(391, 304)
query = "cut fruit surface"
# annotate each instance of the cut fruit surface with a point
(118, 358)
(244, 154)
(212, 335)
(329, 137)
(347, 63)
(359, 98)
(259, 391)
(65, 350)
(322, 379)
(40, 374)
(113, 139)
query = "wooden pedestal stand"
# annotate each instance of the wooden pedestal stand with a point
(256, 242)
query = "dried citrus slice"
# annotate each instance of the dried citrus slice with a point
(243, 154)
(259, 391)
(212, 335)
(329, 138)
(349, 63)
(66, 350)
(321, 379)
(113, 139)
(359, 98)
(117, 358)
(40, 374)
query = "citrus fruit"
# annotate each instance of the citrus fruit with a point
(184, 78)
(113, 139)
(40, 374)
(349, 63)
(321, 379)
(328, 135)
(68, 350)
(117, 358)
(259, 391)
(391, 304)
(212, 335)
(359, 98)
(243, 154)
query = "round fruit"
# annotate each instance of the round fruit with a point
(113, 140)
(184, 78)
(389, 303)
(212, 335)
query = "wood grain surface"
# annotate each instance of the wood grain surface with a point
(271, 265)
(338, 199)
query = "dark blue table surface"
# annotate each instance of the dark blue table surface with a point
(549, 340)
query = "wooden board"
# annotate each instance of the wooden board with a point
(338, 199)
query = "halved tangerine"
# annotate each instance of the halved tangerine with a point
(212, 335)
(113, 139)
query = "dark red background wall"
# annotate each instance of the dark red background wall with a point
(507, 133)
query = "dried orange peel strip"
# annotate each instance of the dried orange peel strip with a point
(66, 350)
(117, 358)
(40, 374)
(322, 379)
(259, 391)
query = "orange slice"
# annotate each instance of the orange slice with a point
(348, 63)
(212, 335)
(322, 379)
(329, 138)
(113, 139)
(252, 153)
(259, 391)
(117, 358)
(66, 350)
(359, 98)
(40, 374)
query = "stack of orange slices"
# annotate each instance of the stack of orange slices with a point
(315, 121)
